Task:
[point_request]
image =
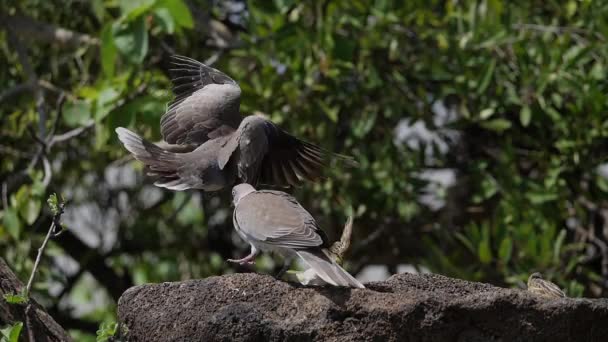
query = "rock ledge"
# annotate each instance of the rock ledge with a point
(406, 307)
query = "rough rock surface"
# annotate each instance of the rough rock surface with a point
(406, 307)
(38, 325)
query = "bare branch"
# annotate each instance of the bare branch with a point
(34, 30)
(58, 114)
(52, 228)
(48, 172)
(72, 133)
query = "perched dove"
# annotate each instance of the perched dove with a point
(544, 288)
(335, 252)
(274, 221)
(222, 147)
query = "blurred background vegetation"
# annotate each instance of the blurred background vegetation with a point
(480, 127)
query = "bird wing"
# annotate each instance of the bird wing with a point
(266, 154)
(275, 218)
(206, 103)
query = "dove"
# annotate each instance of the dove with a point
(210, 145)
(335, 252)
(274, 221)
(544, 288)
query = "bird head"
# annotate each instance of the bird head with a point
(239, 191)
(536, 275)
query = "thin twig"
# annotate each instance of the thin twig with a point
(71, 133)
(38, 138)
(56, 218)
(48, 33)
(58, 115)
(48, 172)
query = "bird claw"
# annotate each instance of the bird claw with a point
(241, 261)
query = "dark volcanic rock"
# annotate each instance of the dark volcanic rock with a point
(406, 307)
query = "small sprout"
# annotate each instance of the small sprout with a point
(55, 204)
(15, 298)
(106, 331)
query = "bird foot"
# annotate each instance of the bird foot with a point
(244, 261)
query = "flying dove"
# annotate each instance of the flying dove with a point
(274, 221)
(544, 288)
(222, 147)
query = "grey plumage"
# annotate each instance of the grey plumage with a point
(274, 221)
(197, 169)
(225, 146)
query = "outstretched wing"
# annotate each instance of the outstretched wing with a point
(206, 103)
(266, 154)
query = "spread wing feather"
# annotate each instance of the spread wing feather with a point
(206, 103)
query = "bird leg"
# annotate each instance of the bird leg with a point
(248, 260)
(284, 269)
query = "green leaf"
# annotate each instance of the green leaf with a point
(106, 330)
(31, 210)
(10, 221)
(487, 77)
(465, 241)
(28, 203)
(108, 51)
(505, 248)
(164, 19)
(557, 246)
(525, 115)
(602, 183)
(134, 9)
(331, 112)
(483, 249)
(97, 9)
(536, 197)
(497, 125)
(131, 39)
(486, 113)
(12, 332)
(77, 113)
(179, 11)
(105, 102)
(15, 298)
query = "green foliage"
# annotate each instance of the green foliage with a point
(55, 203)
(12, 332)
(106, 331)
(16, 298)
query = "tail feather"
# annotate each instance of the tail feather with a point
(160, 164)
(327, 269)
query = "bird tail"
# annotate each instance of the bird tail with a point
(161, 164)
(327, 269)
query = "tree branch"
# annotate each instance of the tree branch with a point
(43, 32)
